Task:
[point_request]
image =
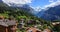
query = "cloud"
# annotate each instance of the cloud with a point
(58, 0)
(53, 4)
(17, 1)
(46, 7)
(51, 0)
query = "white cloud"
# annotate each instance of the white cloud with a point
(46, 7)
(53, 4)
(17, 1)
(58, 0)
(51, 0)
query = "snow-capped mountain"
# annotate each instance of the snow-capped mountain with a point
(25, 7)
(50, 13)
(53, 13)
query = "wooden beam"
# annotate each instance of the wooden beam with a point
(6, 29)
(13, 29)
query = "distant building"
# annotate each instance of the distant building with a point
(32, 29)
(55, 23)
(46, 30)
(31, 22)
(21, 24)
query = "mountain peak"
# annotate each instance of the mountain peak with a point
(52, 13)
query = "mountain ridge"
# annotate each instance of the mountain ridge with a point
(53, 13)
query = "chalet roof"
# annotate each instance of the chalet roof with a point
(1, 17)
(46, 30)
(55, 23)
(33, 29)
(7, 23)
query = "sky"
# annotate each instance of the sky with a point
(42, 3)
(36, 4)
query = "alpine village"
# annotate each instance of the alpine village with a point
(22, 19)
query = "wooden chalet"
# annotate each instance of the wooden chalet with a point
(7, 25)
(32, 29)
(47, 30)
(21, 24)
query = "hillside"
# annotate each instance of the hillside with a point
(7, 11)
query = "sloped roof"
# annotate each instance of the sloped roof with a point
(7, 23)
(33, 29)
(46, 30)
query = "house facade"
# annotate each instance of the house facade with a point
(7, 25)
